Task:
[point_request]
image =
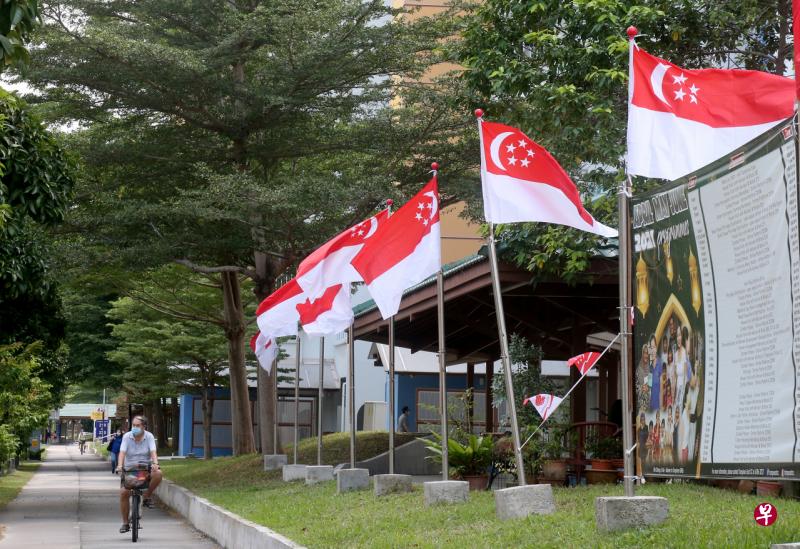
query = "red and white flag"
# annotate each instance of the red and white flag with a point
(523, 182)
(584, 362)
(680, 120)
(330, 264)
(277, 314)
(545, 404)
(404, 251)
(330, 313)
(265, 349)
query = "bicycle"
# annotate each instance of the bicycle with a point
(137, 480)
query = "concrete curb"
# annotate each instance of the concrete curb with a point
(228, 529)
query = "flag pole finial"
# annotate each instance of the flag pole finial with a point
(389, 202)
(478, 113)
(632, 32)
(435, 166)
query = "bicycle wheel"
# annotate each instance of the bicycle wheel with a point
(135, 517)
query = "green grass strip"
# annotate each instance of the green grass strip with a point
(11, 485)
(315, 516)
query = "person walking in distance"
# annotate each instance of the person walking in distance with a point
(138, 447)
(402, 422)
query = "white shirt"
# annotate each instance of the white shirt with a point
(137, 452)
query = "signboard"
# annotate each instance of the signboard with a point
(717, 305)
(101, 429)
(97, 414)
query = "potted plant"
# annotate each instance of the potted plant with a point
(469, 461)
(768, 488)
(555, 447)
(601, 452)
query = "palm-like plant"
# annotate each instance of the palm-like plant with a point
(472, 458)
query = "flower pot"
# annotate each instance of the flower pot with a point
(599, 476)
(477, 482)
(602, 465)
(746, 486)
(555, 470)
(768, 488)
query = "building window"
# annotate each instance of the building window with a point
(305, 420)
(221, 435)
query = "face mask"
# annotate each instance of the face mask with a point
(136, 431)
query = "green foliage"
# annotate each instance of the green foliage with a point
(604, 447)
(9, 444)
(471, 458)
(559, 71)
(18, 20)
(25, 400)
(527, 379)
(162, 353)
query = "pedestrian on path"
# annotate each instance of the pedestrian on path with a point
(138, 448)
(113, 448)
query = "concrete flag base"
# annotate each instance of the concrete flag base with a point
(523, 501)
(622, 513)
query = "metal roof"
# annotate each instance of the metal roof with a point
(86, 409)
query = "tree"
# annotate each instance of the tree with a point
(234, 136)
(25, 400)
(559, 70)
(169, 339)
(18, 19)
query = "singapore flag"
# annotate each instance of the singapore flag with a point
(545, 404)
(522, 182)
(680, 120)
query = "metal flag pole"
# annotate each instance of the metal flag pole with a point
(504, 357)
(624, 327)
(391, 380)
(351, 393)
(296, 393)
(319, 398)
(391, 395)
(275, 403)
(624, 304)
(501, 333)
(442, 357)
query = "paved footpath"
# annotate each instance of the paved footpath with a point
(72, 502)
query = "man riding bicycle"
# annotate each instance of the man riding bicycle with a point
(138, 447)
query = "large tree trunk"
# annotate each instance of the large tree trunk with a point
(241, 417)
(207, 404)
(158, 423)
(176, 423)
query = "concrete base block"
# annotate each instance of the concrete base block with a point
(348, 480)
(388, 484)
(273, 462)
(795, 545)
(294, 472)
(621, 513)
(446, 491)
(318, 473)
(523, 501)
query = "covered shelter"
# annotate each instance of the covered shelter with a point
(563, 319)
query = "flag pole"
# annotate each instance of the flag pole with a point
(275, 403)
(624, 303)
(351, 393)
(296, 393)
(320, 397)
(391, 379)
(504, 357)
(442, 357)
(503, 337)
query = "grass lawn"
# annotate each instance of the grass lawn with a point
(10, 485)
(315, 516)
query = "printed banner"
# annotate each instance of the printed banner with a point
(716, 294)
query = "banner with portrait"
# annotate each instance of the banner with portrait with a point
(716, 295)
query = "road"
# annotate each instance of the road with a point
(72, 502)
